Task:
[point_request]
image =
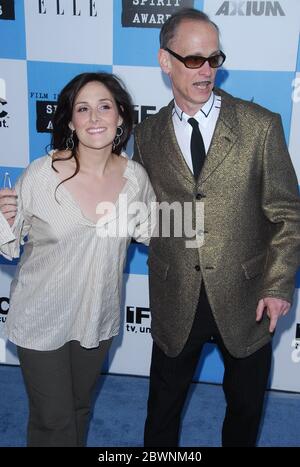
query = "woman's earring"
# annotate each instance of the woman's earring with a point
(117, 139)
(70, 142)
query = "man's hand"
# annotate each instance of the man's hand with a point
(8, 204)
(275, 307)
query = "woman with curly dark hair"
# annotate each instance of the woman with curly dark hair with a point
(65, 297)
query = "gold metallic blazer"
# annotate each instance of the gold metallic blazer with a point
(251, 243)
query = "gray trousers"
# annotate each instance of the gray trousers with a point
(60, 385)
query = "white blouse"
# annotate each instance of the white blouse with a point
(68, 282)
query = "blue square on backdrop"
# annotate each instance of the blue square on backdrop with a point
(137, 257)
(139, 45)
(198, 4)
(210, 367)
(270, 89)
(45, 81)
(133, 46)
(14, 174)
(12, 31)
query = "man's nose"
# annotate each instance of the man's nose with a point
(205, 68)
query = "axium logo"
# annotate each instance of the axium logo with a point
(231, 8)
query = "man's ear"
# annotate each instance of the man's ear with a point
(164, 61)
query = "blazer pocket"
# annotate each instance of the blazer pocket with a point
(157, 266)
(254, 267)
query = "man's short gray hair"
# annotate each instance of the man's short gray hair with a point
(169, 28)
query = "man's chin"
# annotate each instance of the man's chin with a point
(202, 96)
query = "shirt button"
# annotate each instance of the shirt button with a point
(197, 267)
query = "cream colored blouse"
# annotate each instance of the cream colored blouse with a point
(68, 282)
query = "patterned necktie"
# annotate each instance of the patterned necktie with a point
(197, 148)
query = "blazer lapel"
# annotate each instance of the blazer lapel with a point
(223, 140)
(172, 149)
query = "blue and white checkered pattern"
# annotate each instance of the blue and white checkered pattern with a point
(44, 43)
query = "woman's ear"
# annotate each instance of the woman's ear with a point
(71, 126)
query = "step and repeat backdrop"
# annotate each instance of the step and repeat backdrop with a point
(44, 43)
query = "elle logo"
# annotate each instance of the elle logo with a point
(88, 7)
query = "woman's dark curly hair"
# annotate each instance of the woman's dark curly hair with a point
(63, 114)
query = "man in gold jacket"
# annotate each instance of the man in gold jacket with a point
(234, 287)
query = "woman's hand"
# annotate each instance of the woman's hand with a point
(8, 204)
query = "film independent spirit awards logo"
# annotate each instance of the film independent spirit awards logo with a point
(44, 114)
(7, 9)
(153, 13)
(45, 104)
(150, 13)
